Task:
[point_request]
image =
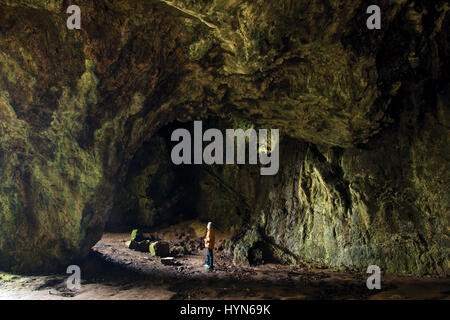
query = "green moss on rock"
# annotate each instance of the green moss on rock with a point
(159, 249)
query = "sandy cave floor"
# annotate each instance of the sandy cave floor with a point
(113, 271)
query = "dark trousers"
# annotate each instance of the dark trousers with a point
(209, 257)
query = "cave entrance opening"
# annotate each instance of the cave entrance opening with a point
(155, 193)
(173, 202)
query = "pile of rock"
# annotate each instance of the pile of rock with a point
(156, 248)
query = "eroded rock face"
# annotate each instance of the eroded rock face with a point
(364, 114)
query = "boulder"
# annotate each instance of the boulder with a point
(136, 235)
(178, 251)
(242, 249)
(143, 246)
(159, 249)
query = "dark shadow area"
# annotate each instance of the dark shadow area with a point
(156, 191)
(99, 268)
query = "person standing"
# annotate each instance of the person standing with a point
(209, 244)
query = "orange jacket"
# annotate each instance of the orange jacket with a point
(210, 239)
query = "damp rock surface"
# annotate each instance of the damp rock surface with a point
(364, 119)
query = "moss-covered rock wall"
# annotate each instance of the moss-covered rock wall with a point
(363, 114)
